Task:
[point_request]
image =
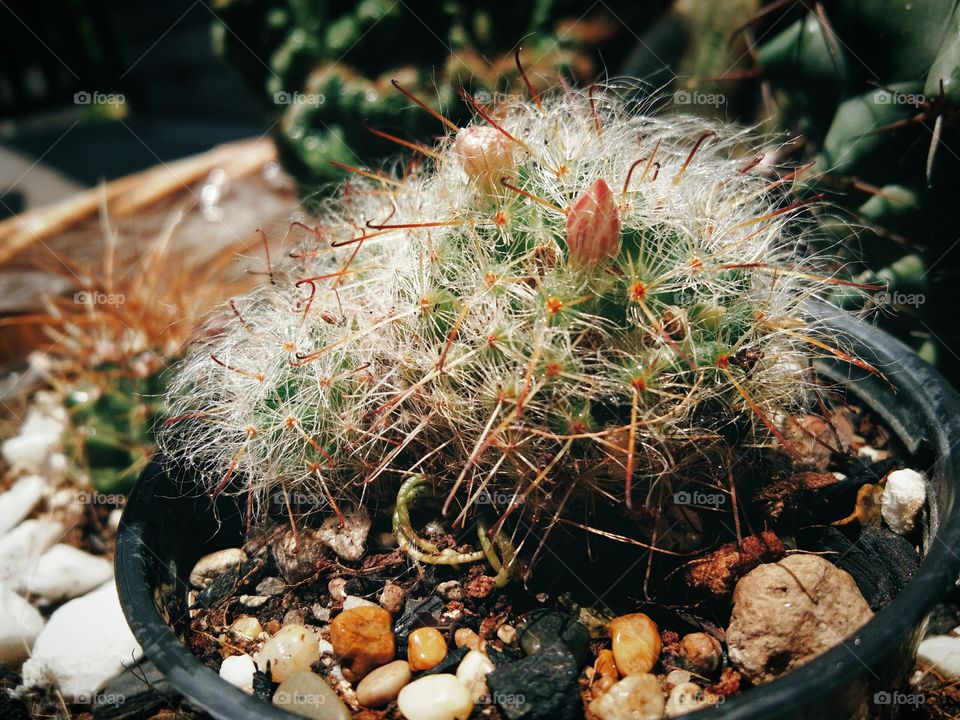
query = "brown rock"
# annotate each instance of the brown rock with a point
(787, 613)
(299, 556)
(392, 597)
(362, 640)
(717, 573)
(702, 653)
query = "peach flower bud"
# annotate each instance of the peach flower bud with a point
(593, 227)
(485, 154)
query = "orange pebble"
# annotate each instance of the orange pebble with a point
(425, 648)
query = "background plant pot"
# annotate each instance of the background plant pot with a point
(166, 528)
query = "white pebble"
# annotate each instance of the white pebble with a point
(350, 540)
(247, 626)
(903, 497)
(85, 643)
(216, 563)
(435, 697)
(352, 601)
(684, 698)
(292, 649)
(337, 589)
(472, 673)
(20, 623)
(238, 670)
(38, 437)
(636, 697)
(20, 500)
(872, 454)
(64, 572)
(942, 652)
(21, 547)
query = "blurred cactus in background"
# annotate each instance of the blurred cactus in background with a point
(324, 69)
(868, 90)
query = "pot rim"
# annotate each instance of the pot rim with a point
(935, 412)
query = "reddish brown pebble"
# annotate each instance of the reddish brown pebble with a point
(362, 640)
(717, 573)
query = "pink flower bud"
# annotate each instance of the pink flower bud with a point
(485, 154)
(593, 227)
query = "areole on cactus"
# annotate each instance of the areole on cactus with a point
(565, 304)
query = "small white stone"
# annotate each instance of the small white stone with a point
(216, 563)
(292, 649)
(352, 601)
(64, 572)
(20, 623)
(254, 601)
(85, 643)
(337, 589)
(27, 450)
(636, 697)
(677, 677)
(903, 497)
(942, 652)
(472, 673)
(872, 454)
(20, 500)
(348, 541)
(326, 647)
(38, 437)
(685, 698)
(238, 670)
(21, 547)
(246, 626)
(435, 697)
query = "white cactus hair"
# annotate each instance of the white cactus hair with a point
(432, 323)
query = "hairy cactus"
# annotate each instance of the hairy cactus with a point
(568, 303)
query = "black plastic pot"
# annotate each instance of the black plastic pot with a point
(164, 531)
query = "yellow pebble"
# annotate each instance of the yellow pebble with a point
(635, 642)
(465, 637)
(425, 648)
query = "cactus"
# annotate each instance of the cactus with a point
(567, 303)
(326, 70)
